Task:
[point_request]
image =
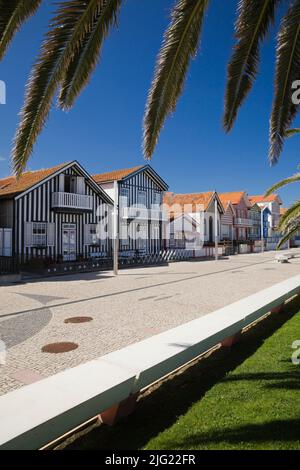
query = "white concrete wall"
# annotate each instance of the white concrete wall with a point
(109, 189)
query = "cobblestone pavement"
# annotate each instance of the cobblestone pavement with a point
(139, 303)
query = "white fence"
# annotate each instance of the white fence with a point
(36, 414)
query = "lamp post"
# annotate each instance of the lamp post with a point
(116, 229)
(216, 230)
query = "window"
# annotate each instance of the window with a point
(39, 234)
(124, 241)
(157, 198)
(142, 198)
(225, 230)
(91, 234)
(124, 197)
(73, 184)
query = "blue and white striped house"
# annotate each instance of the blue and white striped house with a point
(52, 213)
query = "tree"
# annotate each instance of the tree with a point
(289, 223)
(67, 58)
(181, 42)
(75, 37)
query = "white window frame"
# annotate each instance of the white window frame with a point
(157, 198)
(124, 197)
(39, 239)
(144, 194)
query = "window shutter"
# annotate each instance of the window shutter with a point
(51, 234)
(87, 234)
(80, 185)
(28, 234)
(61, 182)
(1, 241)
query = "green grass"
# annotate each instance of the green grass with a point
(257, 406)
(244, 398)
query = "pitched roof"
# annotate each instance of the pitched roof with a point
(193, 199)
(233, 197)
(11, 185)
(261, 198)
(115, 175)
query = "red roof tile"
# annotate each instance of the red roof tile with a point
(12, 185)
(115, 175)
(192, 200)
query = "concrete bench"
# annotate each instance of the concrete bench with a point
(282, 258)
(36, 414)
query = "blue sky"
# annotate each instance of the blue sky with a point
(103, 131)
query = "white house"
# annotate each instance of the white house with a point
(196, 212)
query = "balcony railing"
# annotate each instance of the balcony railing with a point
(72, 201)
(143, 213)
(243, 222)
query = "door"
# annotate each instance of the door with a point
(69, 242)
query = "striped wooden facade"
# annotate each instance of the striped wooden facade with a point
(140, 189)
(35, 205)
(227, 221)
(148, 182)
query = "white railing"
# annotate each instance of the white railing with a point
(72, 201)
(35, 415)
(142, 213)
(243, 222)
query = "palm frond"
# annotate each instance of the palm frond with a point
(287, 71)
(289, 215)
(86, 59)
(289, 234)
(179, 46)
(291, 132)
(254, 20)
(280, 184)
(74, 18)
(13, 13)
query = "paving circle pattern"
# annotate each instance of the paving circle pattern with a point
(58, 348)
(78, 320)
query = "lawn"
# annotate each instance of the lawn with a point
(256, 406)
(244, 398)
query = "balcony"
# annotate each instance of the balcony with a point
(72, 201)
(243, 222)
(142, 214)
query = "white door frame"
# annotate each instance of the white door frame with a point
(69, 243)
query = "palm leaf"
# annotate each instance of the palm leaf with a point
(280, 184)
(13, 13)
(253, 23)
(289, 234)
(289, 215)
(86, 59)
(179, 47)
(74, 18)
(287, 71)
(291, 132)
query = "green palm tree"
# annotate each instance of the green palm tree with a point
(73, 43)
(289, 223)
(66, 61)
(181, 42)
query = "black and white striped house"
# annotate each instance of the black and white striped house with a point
(53, 213)
(139, 194)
